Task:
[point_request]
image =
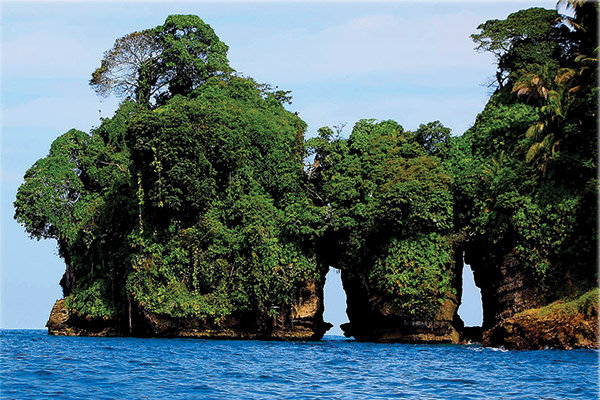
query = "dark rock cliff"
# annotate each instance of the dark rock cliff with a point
(373, 319)
(506, 288)
(516, 315)
(64, 323)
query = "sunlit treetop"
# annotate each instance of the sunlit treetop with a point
(156, 64)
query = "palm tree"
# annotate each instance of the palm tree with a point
(535, 85)
(493, 168)
(584, 23)
(557, 96)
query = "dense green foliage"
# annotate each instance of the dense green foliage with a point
(225, 224)
(585, 305)
(157, 64)
(194, 199)
(533, 186)
(389, 209)
(195, 206)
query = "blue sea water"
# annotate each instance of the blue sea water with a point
(34, 365)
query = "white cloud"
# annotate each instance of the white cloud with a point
(434, 51)
(372, 54)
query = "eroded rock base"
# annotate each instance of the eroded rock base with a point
(63, 323)
(372, 319)
(562, 325)
(303, 321)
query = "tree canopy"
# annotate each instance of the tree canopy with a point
(389, 210)
(173, 58)
(194, 206)
(534, 146)
(532, 36)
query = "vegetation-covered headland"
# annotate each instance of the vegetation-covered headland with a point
(199, 209)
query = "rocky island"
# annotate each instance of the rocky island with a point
(200, 210)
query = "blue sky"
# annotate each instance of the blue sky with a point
(343, 61)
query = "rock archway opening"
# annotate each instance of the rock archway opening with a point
(334, 300)
(471, 308)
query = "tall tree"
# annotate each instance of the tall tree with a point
(524, 37)
(129, 68)
(191, 53)
(173, 58)
(535, 144)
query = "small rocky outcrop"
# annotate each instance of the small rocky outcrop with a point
(372, 319)
(303, 321)
(64, 323)
(563, 325)
(516, 315)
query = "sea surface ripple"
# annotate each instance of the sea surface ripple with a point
(34, 365)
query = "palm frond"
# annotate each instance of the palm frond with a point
(535, 130)
(534, 152)
(564, 75)
(548, 140)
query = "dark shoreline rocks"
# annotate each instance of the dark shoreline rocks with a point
(148, 324)
(529, 330)
(373, 319)
(303, 321)
(517, 316)
(566, 324)
(64, 323)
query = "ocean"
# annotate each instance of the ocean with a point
(34, 365)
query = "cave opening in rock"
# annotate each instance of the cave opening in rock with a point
(471, 309)
(334, 301)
